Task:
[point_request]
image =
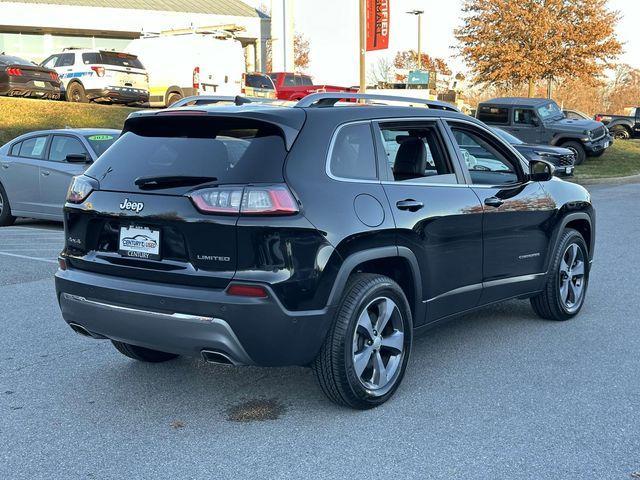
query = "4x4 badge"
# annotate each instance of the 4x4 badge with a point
(133, 206)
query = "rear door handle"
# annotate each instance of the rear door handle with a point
(493, 202)
(45, 173)
(5, 166)
(410, 205)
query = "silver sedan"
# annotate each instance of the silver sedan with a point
(36, 170)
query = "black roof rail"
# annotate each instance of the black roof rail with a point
(209, 99)
(329, 99)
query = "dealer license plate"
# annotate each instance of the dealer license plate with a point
(139, 242)
(39, 84)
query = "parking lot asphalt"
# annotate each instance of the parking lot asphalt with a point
(497, 394)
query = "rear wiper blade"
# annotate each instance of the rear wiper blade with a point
(152, 183)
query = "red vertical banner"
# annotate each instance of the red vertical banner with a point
(377, 24)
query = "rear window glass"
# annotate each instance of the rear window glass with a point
(231, 150)
(490, 114)
(258, 81)
(10, 60)
(112, 58)
(33, 147)
(101, 141)
(353, 155)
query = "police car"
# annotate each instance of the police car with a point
(100, 75)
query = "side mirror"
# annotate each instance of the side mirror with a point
(78, 158)
(541, 171)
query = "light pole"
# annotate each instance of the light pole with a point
(418, 13)
(362, 33)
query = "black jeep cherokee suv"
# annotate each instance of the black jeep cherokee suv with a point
(313, 235)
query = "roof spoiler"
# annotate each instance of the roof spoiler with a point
(316, 100)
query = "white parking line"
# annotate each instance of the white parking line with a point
(27, 257)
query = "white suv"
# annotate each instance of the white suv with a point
(100, 75)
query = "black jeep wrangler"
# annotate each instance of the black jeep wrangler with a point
(314, 235)
(539, 120)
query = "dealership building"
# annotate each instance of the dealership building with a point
(34, 29)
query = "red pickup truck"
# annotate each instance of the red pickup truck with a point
(294, 86)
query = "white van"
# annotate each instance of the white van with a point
(182, 65)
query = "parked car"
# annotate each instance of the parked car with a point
(100, 75)
(575, 115)
(294, 86)
(258, 85)
(205, 65)
(22, 78)
(622, 127)
(562, 159)
(274, 235)
(36, 170)
(541, 121)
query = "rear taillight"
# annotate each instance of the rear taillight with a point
(253, 200)
(196, 78)
(14, 72)
(598, 118)
(54, 76)
(80, 188)
(99, 71)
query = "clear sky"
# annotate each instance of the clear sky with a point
(332, 28)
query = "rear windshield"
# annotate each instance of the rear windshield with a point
(112, 58)
(232, 150)
(9, 60)
(258, 81)
(101, 141)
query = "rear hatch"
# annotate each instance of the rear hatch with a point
(122, 69)
(167, 198)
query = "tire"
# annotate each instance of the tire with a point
(173, 98)
(553, 303)
(6, 219)
(578, 150)
(620, 133)
(76, 94)
(353, 328)
(142, 354)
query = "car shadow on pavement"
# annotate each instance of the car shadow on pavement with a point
(202, 392)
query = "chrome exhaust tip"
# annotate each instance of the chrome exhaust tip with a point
(217, 357)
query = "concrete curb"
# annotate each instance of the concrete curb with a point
(608, 180)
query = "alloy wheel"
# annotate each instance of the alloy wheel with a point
(378, 345)
(1, 204)
(572, 278)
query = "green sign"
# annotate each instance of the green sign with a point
(418, 77)
(100, 138)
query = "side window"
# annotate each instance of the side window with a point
(494, 115)
(33, 147)
(306, 80)
(352, 154)
(88, 58)
(289, 81)
(15, 149)
(50, 62)
(524, 116)
(61, 146)
(486, 164)
(415, 152)
(66, 60)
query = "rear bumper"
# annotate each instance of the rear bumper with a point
(29, 89)
(188, 320)
(119, 94)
